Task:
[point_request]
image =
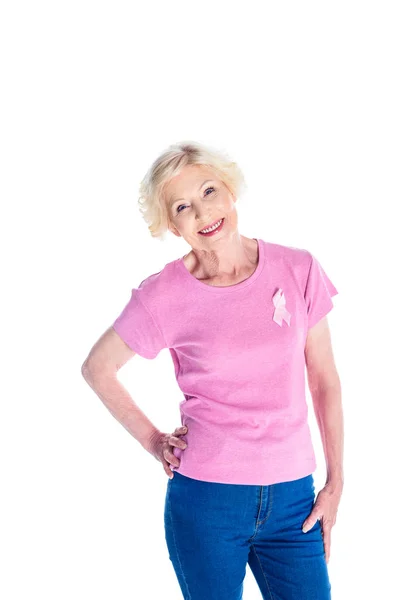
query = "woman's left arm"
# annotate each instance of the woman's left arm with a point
(325, 389)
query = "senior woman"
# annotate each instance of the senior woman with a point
(243, 320)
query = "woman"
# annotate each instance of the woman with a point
(242, 318)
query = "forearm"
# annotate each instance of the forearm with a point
(329, 415)
(121, 405)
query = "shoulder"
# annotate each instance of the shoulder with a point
(156, 287)
(297, 259)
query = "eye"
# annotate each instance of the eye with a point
(209, 188)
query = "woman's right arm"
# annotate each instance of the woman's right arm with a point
(100, 369)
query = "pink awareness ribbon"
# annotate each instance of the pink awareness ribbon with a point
(280, 313)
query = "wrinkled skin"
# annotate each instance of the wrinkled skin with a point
(161, 447)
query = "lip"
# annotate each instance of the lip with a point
(212, 224)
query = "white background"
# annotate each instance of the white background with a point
(305, 97)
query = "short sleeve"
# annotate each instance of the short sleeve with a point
(137, 327)
(318, 293)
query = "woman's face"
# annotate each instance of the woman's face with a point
(196, 199)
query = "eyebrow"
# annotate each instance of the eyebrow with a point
(179, 199)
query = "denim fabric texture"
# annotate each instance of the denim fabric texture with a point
(213, 530)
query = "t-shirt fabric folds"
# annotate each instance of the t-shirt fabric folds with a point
(238, 355)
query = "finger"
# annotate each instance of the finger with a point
(310, 522)
(327, 543)
(171, 458)
(167, 468)
(174, 441)
(326, 552)
(181, 430)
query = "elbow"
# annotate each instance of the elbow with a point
(91, 372)
(85, 371)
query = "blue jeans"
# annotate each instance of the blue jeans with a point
(214, 529)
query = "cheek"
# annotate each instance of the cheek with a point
(231, 213)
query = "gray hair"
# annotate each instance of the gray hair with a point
(168, 165)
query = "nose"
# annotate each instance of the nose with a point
(203, 215)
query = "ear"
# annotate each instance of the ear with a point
(232, 195)
(173, 229)
(170, 226)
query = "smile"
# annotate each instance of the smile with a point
(214, 227)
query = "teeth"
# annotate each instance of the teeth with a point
(211, 228)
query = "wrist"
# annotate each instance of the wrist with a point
(149, 442)
(335, 482)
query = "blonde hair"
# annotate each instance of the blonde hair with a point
(169, 164)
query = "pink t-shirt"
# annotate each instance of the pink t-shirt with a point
(238, 354)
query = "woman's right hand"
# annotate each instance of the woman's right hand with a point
(161, 447)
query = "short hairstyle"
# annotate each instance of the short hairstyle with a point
(168, 165)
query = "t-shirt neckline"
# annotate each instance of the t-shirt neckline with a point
(227, 288)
